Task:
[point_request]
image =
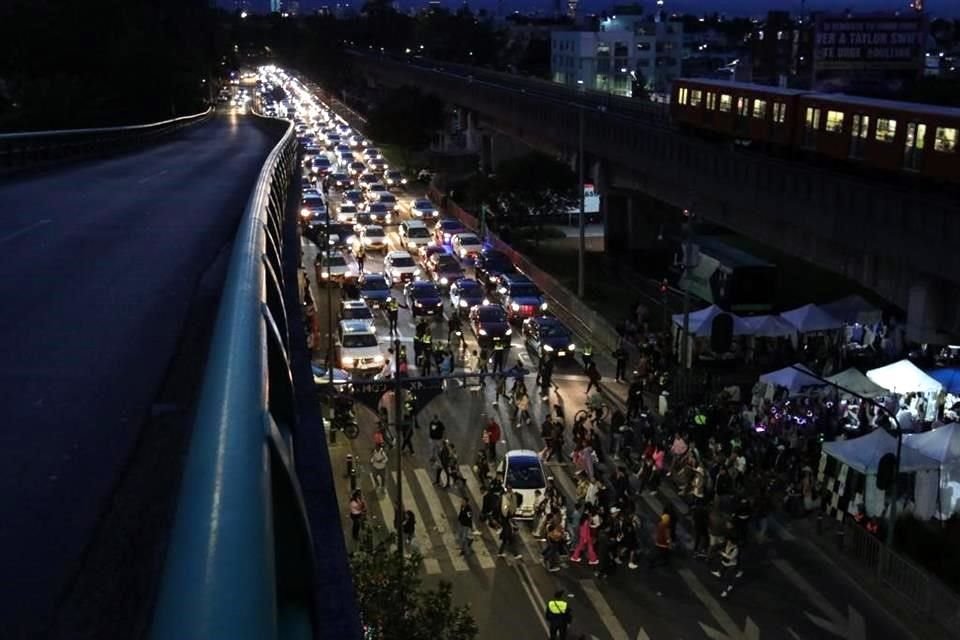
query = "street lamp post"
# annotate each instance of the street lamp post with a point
(894, 420)
(688, 265)
(397, 409)
(582, 242)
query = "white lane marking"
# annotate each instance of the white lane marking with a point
(440, 520)
(642, 634)
(26, 229)
(730, 629)
(152, 176)
(537, 600)
(672, 495)
(420, 535)
(780, 530)
(602, 607)
(851, 627)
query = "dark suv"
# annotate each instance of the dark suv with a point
(519, 296)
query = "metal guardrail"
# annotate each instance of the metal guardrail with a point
(32, 148)
(240, 563)
(909, 581)
(563, 303)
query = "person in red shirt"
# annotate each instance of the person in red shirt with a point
(491, 436)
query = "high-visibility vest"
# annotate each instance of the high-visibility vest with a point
(588, 350)
(427, 338)
(558, 607)
(392, 305)
(498, 346)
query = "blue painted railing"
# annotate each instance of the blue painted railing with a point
(31, 148)
(239, 563)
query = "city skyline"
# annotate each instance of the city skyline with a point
(731, 7)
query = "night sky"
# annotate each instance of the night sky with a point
(730, 7)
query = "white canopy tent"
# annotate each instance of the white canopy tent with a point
(794, 378)
(810, 317)
(858, 383)
(853, 309)
(904, 377)
(770, 327)
(863, 456)
(942, 445)
(701, 322)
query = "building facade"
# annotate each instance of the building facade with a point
(622, 52)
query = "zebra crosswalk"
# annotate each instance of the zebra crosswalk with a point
(435, 511)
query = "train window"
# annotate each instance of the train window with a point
(813, 118)
(779, 112)
(835, 121)
(695, 96)
(711, 101)
(860, 125)
(945, 140)
(886, 129)
(682, 95)
(726, 102)
(743, 106)
(759, 109)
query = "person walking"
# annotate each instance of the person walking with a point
(408, 528)
(465, 527)
(499, 353)
(491, 436)
(593, 376)
(556, 536)
(587, 357)
(443, 465)
(500, 388)
(436, 433)
(729, 565)
(378, 462)
(559, 616)
(361, 256)
(662, 541)
(521, 410)
(508, 539)
(358, 511)
(620, 355)
(585, 540)
(406, 431)
(393, 310)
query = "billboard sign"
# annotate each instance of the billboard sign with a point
(869, 42)
(591, 201)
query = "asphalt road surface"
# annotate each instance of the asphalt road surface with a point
(102, 262)
(788, 590)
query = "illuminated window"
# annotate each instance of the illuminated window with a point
(711, 101)
(726, 102)
(779, 112)
(813, 118)
(743, 106)
(945, 140)
(695, 96)
(886, 129)
(860, 125)
(760, 109)
(834, 121)
(682, 96)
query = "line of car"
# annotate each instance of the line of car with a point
(429, 268)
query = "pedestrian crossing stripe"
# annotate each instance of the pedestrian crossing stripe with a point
(420, 536)
(440, 521)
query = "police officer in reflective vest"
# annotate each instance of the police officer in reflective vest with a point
(558, 616)
(393, 308)
(427, 361)
(587, 356)
(499, 351)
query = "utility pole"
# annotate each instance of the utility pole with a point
(582, 243)
(688, 266)
(397, 409)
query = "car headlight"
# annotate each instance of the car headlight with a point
(485, 301)
(483, 332)
(543, 307)
(347, 360)
(509, 332)
(463, 303)
(571, 347)
(325, 275)
(416, 271)
(444, 281)
(515, 306)
(387, 217)
(446, 237)
(417, 213)
(493, 279)
(378, 358)
(418, 304)
(403, 181)
(304, 213)
(547, 348)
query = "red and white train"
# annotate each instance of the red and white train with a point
(882, 134)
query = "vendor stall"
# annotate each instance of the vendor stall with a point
(949, 378)
(794, 379)
(848, 470)
(770, 327)
(904, 377)
(810, 318)
(942, 445)
(853, 310)
(701, 322)
(855, 381)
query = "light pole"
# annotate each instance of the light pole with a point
(892, 418)
(688, 265)
(582, 242)
(397, 408)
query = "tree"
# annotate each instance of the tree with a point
(395, 604)
(528, 188)
(407, 118)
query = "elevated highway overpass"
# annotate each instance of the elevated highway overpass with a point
(896, 239)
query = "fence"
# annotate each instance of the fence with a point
(562, 302)
(910, 582)
(35, 148)
(240, 562)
